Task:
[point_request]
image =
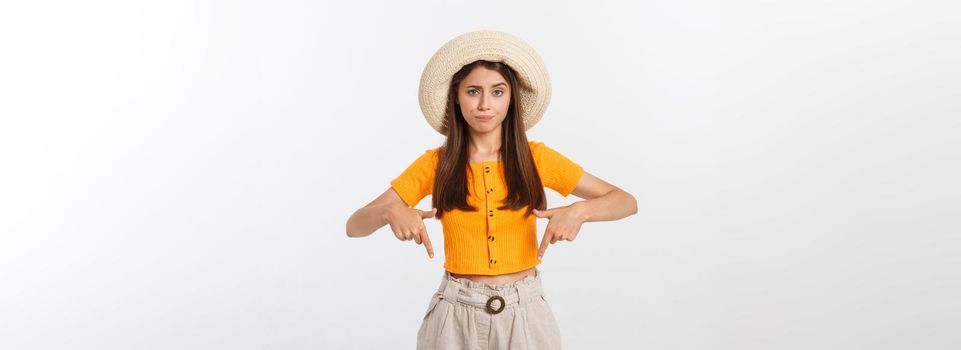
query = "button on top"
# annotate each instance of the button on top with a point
(487, 169)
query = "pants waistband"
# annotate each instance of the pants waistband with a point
(479, 295)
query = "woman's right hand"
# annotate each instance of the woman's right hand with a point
(408, 224)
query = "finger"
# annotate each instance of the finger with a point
(542, 213)
(428, 214)
(543, 247)
(555, 238)
(430, 249)
(416, 236)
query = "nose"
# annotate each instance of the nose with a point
(482, 103)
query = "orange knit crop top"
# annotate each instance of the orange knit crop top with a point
(488, 241)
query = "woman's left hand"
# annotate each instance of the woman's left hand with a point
(563, 225)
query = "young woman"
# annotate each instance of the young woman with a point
(483, 90)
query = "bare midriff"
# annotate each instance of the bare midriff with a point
(497, 280)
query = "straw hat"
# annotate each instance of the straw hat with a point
(533, 94)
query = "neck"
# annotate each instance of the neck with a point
(486, 143)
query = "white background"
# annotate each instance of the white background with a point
(178, 175)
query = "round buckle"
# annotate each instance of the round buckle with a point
(492, 310)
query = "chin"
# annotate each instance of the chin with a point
(482, 131)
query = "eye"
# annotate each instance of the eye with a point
(498, 93)
(471, 92)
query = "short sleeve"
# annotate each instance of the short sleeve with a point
(417, 181)
(557, 172)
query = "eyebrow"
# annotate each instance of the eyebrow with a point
(495, 85)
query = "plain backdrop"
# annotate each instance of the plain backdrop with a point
(178, 174)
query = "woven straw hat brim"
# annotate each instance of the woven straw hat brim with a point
(533, 94)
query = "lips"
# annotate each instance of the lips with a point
(484, 118)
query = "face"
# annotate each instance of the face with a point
(484, 98)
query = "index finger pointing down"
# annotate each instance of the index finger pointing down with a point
(426, 239)
(543, 248)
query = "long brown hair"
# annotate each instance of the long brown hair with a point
(524, 185)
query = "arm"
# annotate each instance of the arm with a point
(602, 201)
(406, 222)
(373, 216)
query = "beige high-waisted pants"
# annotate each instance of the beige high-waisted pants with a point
(468, 315)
